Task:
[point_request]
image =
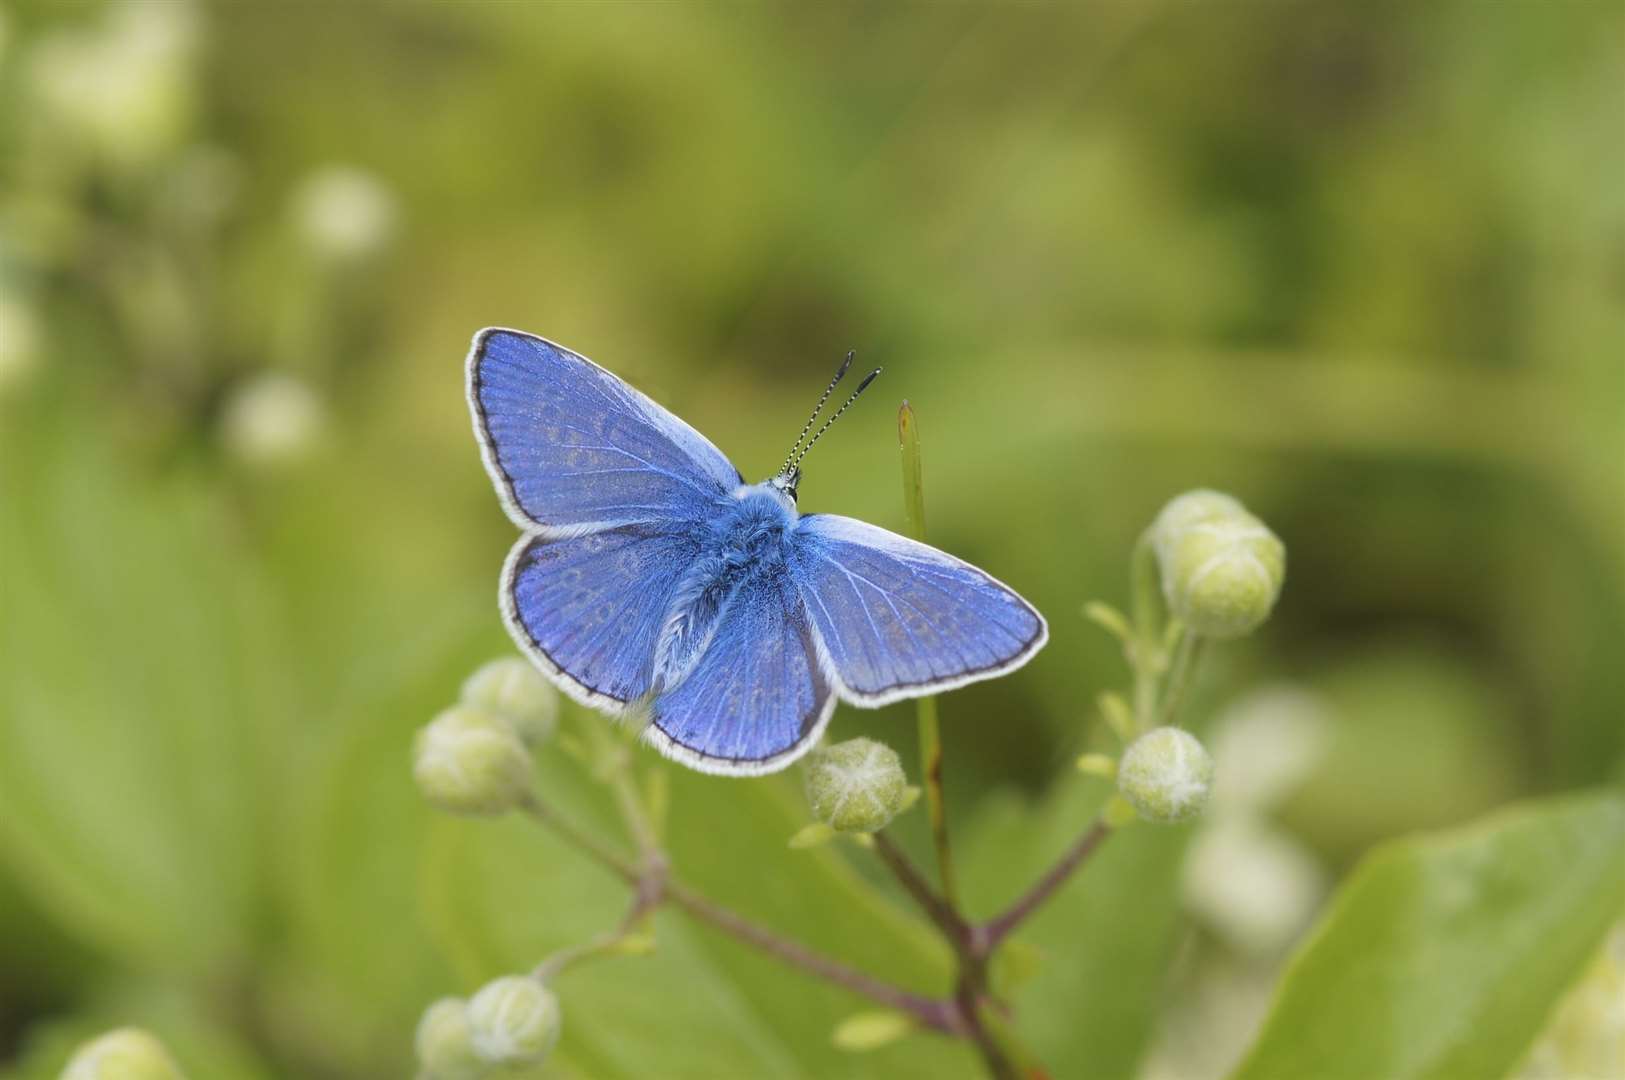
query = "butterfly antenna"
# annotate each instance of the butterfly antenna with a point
(836, 415)
(828, 390)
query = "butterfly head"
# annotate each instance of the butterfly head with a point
(789, 474)
(786, 482)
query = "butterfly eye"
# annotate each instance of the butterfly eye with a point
(788, 481)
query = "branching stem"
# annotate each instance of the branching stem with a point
(656, 887)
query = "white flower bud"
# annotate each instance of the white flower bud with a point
(1221, 567)
(856, 786)
(515, 1020)
(124, 1054)
(469, 762)
(445, 1042)
(1166, 774)
(272, 419)
(123, 88)
(344, 213)
(515, 691)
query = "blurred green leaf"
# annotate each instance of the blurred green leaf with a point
(136, 682)
(1442, 955)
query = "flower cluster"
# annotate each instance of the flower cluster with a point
(474, 758)
(513, 1020)
(1222, 568)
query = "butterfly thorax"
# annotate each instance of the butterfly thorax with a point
(746, 540)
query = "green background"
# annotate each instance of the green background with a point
(1363, 267)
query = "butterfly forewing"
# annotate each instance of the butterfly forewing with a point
(573, 448)
(899, 618)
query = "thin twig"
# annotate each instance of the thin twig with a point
(908, 440)
(908, 875)
(934, 1013)
(998, 928)
(600, 852)
(1180, 676)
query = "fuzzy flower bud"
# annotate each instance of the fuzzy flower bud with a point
(515, 691)
(124, 1054)
(514, 1020)
(469, 762)
(344, 213)
(272, 419)
(857, 785)
(1221, 567)
(1166, 774)
(445, 1043)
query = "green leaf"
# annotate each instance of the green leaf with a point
(1442, 955)
(135, 689)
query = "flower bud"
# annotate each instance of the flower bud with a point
(1166, 774)
(1221, 567)
(856, 786)
(445, 1044)
(515, 691)
(124, 1054)
(469, 762)
(514, 1020)
(272, 419)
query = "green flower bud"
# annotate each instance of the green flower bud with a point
(445, 1043)
(515, 691)
(856, 786)
(1221, 567)
(1166, 774)
(515, 1020)
(469, 762)
(124, 1054)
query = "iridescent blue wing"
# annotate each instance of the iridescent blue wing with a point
(756, 700)
(572, 448)
(587, 609)
(898, 619)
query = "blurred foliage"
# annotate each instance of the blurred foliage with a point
(1363, 266)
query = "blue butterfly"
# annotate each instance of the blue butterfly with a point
(651, 580)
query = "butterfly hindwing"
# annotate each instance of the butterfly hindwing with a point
(589, 608)
(757, 698)
(899, 618)
(572, 448)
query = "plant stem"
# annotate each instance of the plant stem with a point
(936, 1014)
(908, 437)
(948, 920)
(1145, 654)
(583, 841)
(1000, 927)
(1180, 675)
